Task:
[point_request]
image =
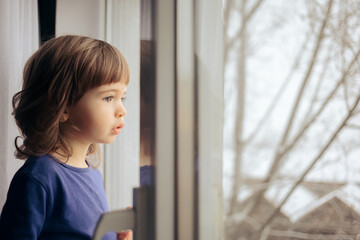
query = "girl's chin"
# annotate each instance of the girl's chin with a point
(108, 141)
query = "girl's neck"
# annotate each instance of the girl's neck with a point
(77, 159)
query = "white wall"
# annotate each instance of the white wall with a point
(82, 17)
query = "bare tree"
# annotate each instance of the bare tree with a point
(334, 49)
(240, 36)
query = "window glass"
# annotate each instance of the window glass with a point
(291, 127)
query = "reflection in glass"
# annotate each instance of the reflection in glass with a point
(147, 92)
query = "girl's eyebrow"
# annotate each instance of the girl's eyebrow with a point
(111, 90)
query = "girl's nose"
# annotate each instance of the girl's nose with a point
(121, 110)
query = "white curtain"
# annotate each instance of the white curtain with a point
(19, 38)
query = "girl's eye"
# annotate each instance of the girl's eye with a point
(108, 99)
(123, 99)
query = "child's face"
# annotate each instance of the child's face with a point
(99, 115)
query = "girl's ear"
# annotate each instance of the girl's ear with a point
(64, 117)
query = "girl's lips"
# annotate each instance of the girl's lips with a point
(118, 129)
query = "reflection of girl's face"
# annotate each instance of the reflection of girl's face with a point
(99, 115)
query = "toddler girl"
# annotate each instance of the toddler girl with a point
(71, 100)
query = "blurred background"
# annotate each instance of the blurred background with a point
(291, 119)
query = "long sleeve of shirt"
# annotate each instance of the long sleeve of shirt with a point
(25, 211)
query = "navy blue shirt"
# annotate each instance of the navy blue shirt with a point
(51, 200)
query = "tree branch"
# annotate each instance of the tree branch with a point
(317, 89)
(322, 107)
(284, 84)
(239, 124)
(279, 150)
(315, 160)
(245, 20)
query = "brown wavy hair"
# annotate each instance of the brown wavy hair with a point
(55, 77)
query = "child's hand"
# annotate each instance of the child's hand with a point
(125, 235)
